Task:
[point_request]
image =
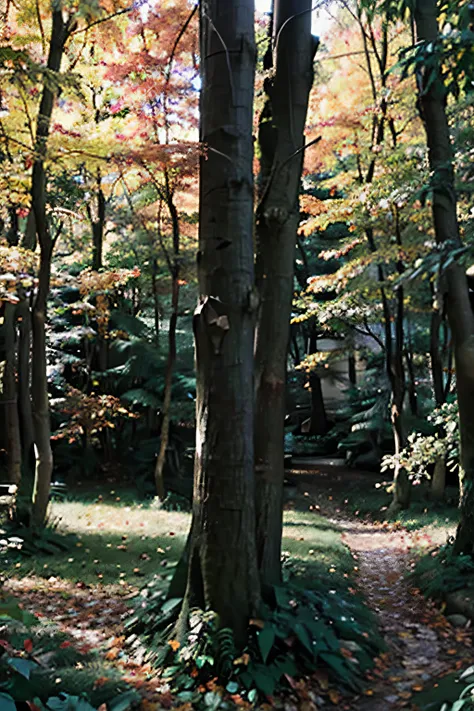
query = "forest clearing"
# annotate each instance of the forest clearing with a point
(236, 355)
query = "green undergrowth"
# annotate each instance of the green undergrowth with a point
(40, 664)
(371, 500)
(441, 572)
(314, 621)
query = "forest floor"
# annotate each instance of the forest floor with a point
(425, 653)
(88, 591)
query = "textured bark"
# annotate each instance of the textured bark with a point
(10, 396)
(222, 572)
(432, 106)
(281, 139)
(39, 385)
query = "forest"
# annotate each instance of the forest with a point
(236, 355)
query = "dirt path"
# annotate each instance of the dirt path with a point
(422, 646)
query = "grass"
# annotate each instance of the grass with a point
(372, 501)
(122, 543)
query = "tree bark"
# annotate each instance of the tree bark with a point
(10, 396)
(39, 386)
(98, 225)
(222, 572)
(281, 140)
(318, 424)
(24, 376)
(166, 409)
(432, 106)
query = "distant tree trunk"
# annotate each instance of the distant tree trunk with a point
(402, 485)
(39, 386)
(10, 397)
(24, 373)
(222, 572)
(156, 301)
(318, 419)
(438, 480)
(435, 356)
(166, 409)
(432, 105)
(281, 140)
(98, 225)
(39, 392)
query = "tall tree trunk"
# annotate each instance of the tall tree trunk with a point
(39, 386)
(281, 140)
(39, 393)
(222, 572)
(402, 485)
(438, 480)
(432, 105)
(166, 409)
(10, 395)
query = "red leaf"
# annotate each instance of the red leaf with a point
(28, 645)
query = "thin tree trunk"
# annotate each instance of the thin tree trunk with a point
(10, 395)
(24, 376)
(318, 419)
(39, 392)
(432, 105)
(98, 226)
(438, 480)
(281, 141)
(222, 572)
(402, 485)
(166, 409)
(39, 386)
(175, 270)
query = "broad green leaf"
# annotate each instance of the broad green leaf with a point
(266, 639)
(22, 666)
(6, 702)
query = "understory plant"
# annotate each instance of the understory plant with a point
(298, 632)
(43, 667)
(424, 450)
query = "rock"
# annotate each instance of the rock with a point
(457, 620)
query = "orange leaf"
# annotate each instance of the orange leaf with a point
(112, 654)
(334, 696)
(174, 644)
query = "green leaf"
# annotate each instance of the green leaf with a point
(6, 702)
(458, 705)
(304, 637)
(266, 639)
(232, 687)
(68, 703)
(22, 666)
(124, 701)
(170, 605)
(252, 695)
